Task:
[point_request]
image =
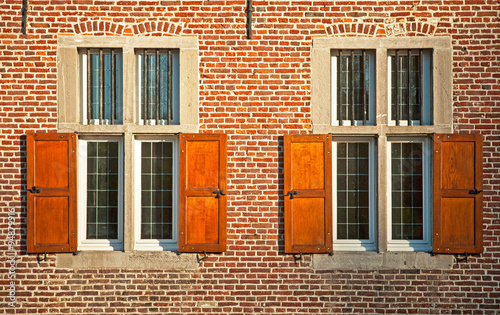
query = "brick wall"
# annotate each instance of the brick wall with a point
(255, 91)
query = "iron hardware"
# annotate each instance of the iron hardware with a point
(34, 190)
(200, 259)
(218, 193)
(474, 192)
(291, 193)
(40, 259)
(295, 258)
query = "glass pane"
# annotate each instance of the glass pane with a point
(406, 190)
(353, 85)
(156, 190)
(406, 85)
(96, 66)
(352, 191)
(102, 190)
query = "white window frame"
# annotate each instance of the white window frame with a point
(175, 90)
(427, 87)
(156, 244)
(83, 92)
(356, 245)
(334, 83)
(83, 242)
(424, 245)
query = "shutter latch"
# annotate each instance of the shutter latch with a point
(34, 190)
(291, 193)
(218, 193)
(474, 192)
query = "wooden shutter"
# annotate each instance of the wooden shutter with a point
(51, 215)
(202, 201)
(308, 193)
(458, 200)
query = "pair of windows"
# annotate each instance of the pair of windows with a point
(101, 174)
(330, 199)
(179, 193)
(354, 187)
(157, 86)
(143, 180)
(409, 87)
(376, 107)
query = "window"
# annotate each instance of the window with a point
(410, 188)
(390, 95)
(133, 102)
(100, 180)
(353, 87)
(101, 82)
(156, 212)
(354, 193)
(159, 87)
(410, 94)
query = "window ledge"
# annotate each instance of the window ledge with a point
(379, 261)
(129, 260)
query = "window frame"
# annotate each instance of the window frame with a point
(175, 87)
(101, 244)
(84, 59)
(334, 91)
(69, 70)
(356, 245)
(156, 244)
(427, 94)
(382, 130)
(424, 245)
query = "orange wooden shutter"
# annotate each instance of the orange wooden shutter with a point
(202, 201)
(51, 170)
(308, 189)
(458, 200)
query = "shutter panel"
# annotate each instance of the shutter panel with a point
(458, 202)
(51, 184)
(202, 200)
(308, 193)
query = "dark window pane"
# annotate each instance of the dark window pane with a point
(352, 191)
(156, 191)
(407, 195)
(102, 190)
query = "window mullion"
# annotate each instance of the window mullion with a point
(363, 74)
(339, 87)
(89, 86)
(169, 98)
(146, 87)
(101, 86)
(398, 97)
(409, 88)
(113, 86)
(351, 86)
(421, 94)
(157, 106)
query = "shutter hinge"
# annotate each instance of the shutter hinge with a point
(297, 258)
(200, 259)
(34, 190)
(474, 191)
(291, 193)
(39, 259)
(218, 193)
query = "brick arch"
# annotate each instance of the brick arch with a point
(411, 27)
(97, 27)
(352, 27)
(157, 28)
